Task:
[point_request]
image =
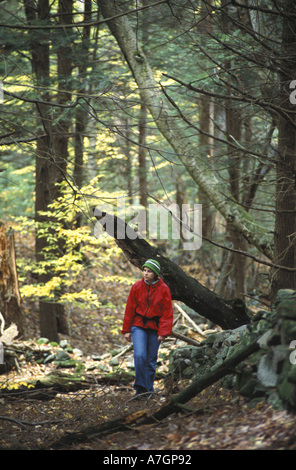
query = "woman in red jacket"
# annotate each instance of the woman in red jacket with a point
(148, 319)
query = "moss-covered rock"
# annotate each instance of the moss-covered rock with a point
(270, 372)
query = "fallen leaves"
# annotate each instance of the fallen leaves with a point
(221, 420)
(215, 419)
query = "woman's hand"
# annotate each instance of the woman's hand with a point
(128, 337)
(161, 338)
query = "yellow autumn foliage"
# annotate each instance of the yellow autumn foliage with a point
(15, 385)
(64, 266)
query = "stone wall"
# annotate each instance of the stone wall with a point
(269, 374)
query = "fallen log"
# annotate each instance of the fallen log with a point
(228, 314)
(200, 384)
(60, 382)
(45, 387)
(133, 421)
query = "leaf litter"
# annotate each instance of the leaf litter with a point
(216, 419)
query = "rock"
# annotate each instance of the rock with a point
(263, 341)
(274, 400)
(103, 367)
(71, 363)
(288, 331)
(42, 341)
(246, 383)
(9, 334)
(284, 294)
(62, 356)
(78, 352)
(114, 362)
(49, 358)
(266, 374)
(99, 357)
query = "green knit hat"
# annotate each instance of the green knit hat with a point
(153, 265)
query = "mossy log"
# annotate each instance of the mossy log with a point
(48, 386)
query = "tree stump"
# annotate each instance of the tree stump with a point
(10, 299)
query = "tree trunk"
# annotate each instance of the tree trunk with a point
(142, 154)
(285, 221)
(233, 121)
(173, 131)
(81, 113)
(128, 157)
(143, 184)
(10, 299)
(44, 185)
(226, 313)
(206, 107)
(205, 142)
(51, 152)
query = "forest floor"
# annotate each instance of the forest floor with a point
(218, 418)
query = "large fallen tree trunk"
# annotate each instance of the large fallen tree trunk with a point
(228, 314)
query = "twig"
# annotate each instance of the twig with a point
(193, 324)
(13, 420)
(24, 424)
(123, 351)
(184, 338)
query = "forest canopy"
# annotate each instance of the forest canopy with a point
(155, 104)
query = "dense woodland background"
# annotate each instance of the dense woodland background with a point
(168, 102)
(165, 102)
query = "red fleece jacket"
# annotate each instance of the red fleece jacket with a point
(149, 306)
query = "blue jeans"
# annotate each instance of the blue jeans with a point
(146, 346)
